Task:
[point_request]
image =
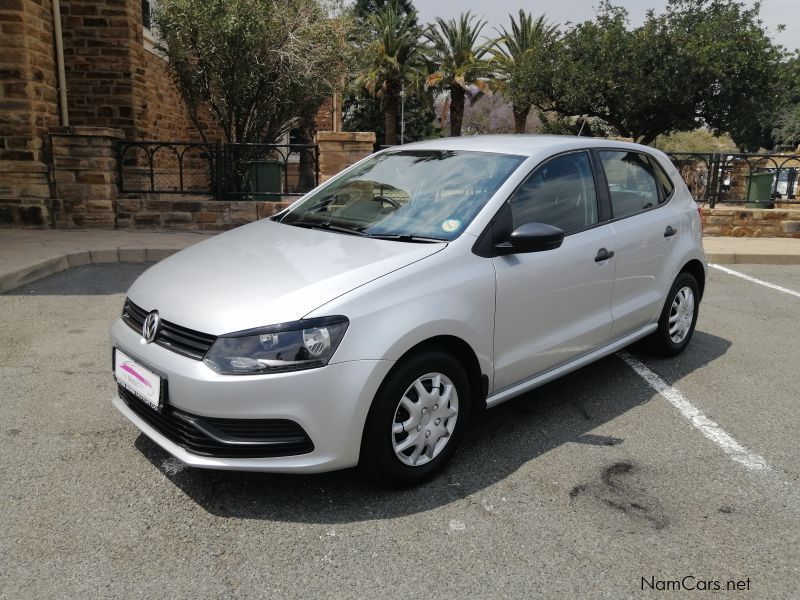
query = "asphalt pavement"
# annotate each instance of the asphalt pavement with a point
(594, 486)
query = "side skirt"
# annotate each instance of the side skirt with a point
(581, 361)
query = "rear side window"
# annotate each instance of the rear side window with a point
(663, 180)
(561, 193)
(631, 182)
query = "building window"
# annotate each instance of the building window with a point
(146, 14)
(148, 30)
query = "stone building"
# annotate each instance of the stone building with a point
(58, 159)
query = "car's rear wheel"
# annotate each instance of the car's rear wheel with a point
(678, 317)
(417, 420)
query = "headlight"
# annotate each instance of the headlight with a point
(292, 346)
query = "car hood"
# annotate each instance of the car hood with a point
(265, 273)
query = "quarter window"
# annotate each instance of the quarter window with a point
(560, 193)
(663, 180)
(631, 182)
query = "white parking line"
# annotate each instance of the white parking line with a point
(695, 416)
(754, 280)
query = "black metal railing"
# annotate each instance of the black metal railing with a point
(723, 178)
(223, 171)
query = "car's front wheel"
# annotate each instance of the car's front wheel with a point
(417, 420)
(678, 317)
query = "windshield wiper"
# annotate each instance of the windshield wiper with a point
(404, 237)
(325, 226)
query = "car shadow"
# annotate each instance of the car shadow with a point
(499, 442)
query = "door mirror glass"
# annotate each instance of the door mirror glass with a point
(531, 237)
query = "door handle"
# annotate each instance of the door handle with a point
(603, 254)
(670, 231)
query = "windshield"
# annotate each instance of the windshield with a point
(431, 194)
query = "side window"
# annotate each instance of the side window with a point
(663, 180)
(561, 193)
(631, 182)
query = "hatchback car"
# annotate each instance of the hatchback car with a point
(368, 322)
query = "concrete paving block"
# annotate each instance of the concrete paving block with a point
(77, 259)
(157, 254)
(105, 256)
(132, 255)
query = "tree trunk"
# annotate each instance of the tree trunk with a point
(520, 118)
(390, 114)
(456, 109)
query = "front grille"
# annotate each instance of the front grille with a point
(187, 342)
(268, 437)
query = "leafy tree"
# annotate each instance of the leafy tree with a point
(257, 65)
(699, 140)
(785, 124)
(702, 62)
(787, 127)
(364, 8)
(365, 113)
(520, 55)
(458, 60)
(394, 61)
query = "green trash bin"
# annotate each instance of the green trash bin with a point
(759, 190)
(266, 179)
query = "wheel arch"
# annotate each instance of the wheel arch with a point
(695, 268)
(456, 346)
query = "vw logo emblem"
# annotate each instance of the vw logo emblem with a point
(150, 327)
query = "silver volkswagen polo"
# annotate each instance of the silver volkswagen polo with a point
(367, 323)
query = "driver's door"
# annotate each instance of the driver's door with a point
(555, 305)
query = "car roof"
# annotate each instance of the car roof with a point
(523, 145)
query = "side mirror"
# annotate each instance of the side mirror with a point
(531, 237)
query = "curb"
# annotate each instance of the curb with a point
(43, 268)
(733, 258)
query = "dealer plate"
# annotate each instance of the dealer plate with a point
(138, 380)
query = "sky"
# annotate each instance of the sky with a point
(773, 12)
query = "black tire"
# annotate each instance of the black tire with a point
(660, 342)
(378, 458)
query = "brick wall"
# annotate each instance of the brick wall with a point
(339, 150)
(751, 222)
(192, 214)
(84, 171)
(28, 107)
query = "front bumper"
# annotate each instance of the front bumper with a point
(330, 404)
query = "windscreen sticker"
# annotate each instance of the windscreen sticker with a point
(451, 225)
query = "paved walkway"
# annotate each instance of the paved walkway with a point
(27, 255)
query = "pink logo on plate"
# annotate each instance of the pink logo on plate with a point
(128, 368)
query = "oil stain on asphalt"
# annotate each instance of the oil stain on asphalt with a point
(617, 491)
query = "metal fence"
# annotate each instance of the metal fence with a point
(223, 171)
(722, 178)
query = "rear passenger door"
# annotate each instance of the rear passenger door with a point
(646, 227)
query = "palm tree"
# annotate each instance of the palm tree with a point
(459, 61)
(395, 58)
(514, 53)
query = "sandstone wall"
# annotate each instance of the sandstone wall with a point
(751, 222)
